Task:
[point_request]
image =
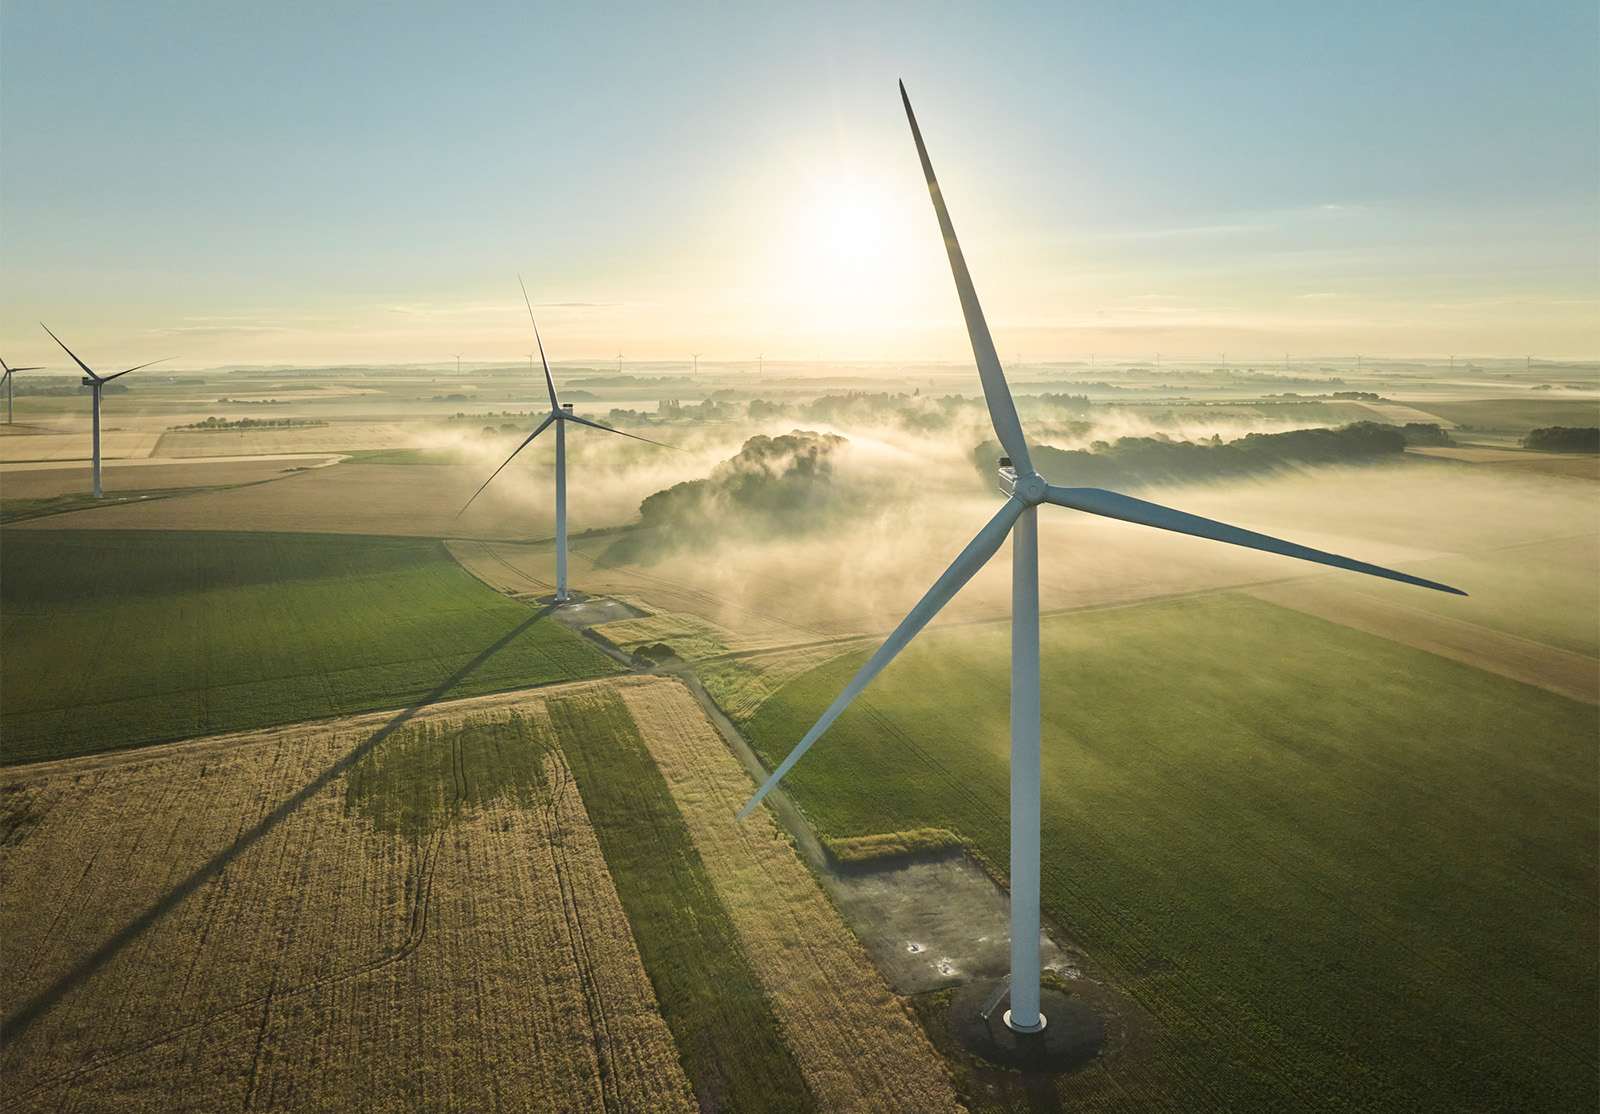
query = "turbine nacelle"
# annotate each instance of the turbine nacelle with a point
(1029, 490)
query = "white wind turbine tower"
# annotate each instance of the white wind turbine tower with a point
(458, 362)
(9, 371)
(96, 382)
(560, 414)
(1026, 489)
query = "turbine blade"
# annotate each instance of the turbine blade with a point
(1112, 505)
(596, 425)
(8, 369)
(162, 360)
(86, 369)
(555, 403)
(1002, 411)
(972, 558)
(508, 460)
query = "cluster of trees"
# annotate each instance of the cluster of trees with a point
(1134, 461)
(1563, 439)
(773, 485)
(249, 423)
(906, 411)
(1425, 433)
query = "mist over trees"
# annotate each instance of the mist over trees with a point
(914, 412)
(1136, 461)
(772, 486)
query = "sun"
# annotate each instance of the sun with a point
(852, 241)
(851, 229)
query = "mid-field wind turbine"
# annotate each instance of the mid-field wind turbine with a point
(90, 379)
(560, 414)
(9, 371)
(1026, 489)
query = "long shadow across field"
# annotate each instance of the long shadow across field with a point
(42, 1002)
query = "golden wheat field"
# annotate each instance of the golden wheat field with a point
(276, 921)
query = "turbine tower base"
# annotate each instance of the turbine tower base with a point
(1074, 1036)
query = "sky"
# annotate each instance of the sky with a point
(346, 183)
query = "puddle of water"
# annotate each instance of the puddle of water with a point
(927, 924)
(933, 923)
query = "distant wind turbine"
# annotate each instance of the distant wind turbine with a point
(696, 356)
(96, 382)
(761, 364)
(9, 371)
(560, 414)
(1025, 490)
(619, 355)
(458, 363)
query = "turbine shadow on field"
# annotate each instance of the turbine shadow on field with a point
(42, 1002)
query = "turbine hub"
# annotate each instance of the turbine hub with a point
(1030, 489)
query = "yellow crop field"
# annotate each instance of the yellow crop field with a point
(852, 1039)
(375, 914)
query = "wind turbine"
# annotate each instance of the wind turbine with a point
(7, 377)
(696, 356)
(560, 414)
(458, 362)
(1025, 490)
(96, 382)
(619, 351)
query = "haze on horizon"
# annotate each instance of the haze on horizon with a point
(360, 185)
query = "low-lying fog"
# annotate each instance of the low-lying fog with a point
(906, 503)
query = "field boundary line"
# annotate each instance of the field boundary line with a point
(1562, 672)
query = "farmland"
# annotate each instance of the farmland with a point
(1343, 874)
(118, 639)
(303, 935)
(859, 1051)
(323, 895)
(730, 1042)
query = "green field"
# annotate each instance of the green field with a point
(728, 1040)
(1341, 874)
(117, 639)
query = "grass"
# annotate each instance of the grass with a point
(729, 1043)
(1341, 873)
(888, 846)
(122, 638)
